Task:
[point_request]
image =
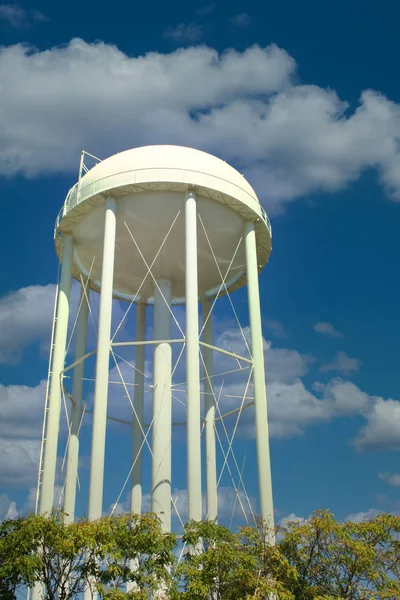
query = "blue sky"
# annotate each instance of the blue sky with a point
(306, 104)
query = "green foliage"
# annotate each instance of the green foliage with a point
(128, 557)
(343, 560)
(225, 565)
(102, 554)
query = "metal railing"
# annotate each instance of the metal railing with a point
(72, 198)
(70, 201)
(266, 220)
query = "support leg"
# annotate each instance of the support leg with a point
(138, 424)
(192, 362)
(102, 365)
(76, 412)
(260, 396)
(161, 434)
(53, 419)
(209, 411)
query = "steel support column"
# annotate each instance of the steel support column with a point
(192, 362)
(54, 404)
(260, 396)
(138, 423)
(209, 415)
(102, 365)
(161, 434)
(76, 411)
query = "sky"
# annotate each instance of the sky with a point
(303, 99)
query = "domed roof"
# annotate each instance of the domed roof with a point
(163, 158)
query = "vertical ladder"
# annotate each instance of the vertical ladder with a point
(46, 404)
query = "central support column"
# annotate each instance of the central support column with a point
(76, 412)
(161, 434)
(102, 365)
(192, 362)
(209, 412)
(260, 394)
(138, 425)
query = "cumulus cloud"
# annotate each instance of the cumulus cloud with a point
(9, 509)
(18, 17)
(342, 363)
(361, 516)
(185, 33)
(290, 140)
(21, 411)
(327, 329)
(25, 316)
(19, 461)
(292, 518)
(291, 406)
(21, 416)
(382, 431)
(390, 478)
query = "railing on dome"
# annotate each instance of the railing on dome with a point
(265, 218)
(72, 198)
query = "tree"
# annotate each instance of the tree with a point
(320, 559)
(347, 561)
(223, 565)
(66, 559)
(17, 565)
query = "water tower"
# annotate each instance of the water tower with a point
(156, 227)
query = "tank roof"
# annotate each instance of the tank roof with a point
(168, 157)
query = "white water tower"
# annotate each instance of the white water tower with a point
(166, 226)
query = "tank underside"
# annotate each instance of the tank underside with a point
(150, 242)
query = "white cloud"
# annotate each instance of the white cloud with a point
(361, 516)
(185, 33)
(21, 416)
(25, 316)
(382, 431)
(344, 398)
(18, 17)
(291, 406)
(241, 20)
(290, 140)
(19, 461)
(327, 329)
(21, 411)
(390, 478)
(163, 89)
(10, 510)
(292, 518)
(342, 363)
